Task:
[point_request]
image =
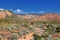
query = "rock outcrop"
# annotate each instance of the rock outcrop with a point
(4, 13)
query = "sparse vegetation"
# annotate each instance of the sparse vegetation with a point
(16, 27)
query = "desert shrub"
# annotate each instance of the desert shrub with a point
(1, 35)
(37, 37)
(0, 27)
(58, 29)
(27, 31)
(50, 29)
(21, 33)
(9, 29)
(49, 37)
(14, 36)
(57, 39)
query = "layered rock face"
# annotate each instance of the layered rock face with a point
(48, 16)
(4, 13)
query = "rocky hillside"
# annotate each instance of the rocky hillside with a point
(4, 13)
(8, 18)
(13, 28)
(47, 16)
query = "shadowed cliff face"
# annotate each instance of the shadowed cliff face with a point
(4, 13)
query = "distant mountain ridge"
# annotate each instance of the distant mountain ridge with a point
(47, 16)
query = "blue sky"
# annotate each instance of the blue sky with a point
(31, 5)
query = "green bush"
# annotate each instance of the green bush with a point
(58, 29)
(36, 37)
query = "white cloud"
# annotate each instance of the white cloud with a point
(17, 11)
(2, 9)
(41, 11)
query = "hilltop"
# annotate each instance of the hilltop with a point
(5, 13)
(7, 18)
